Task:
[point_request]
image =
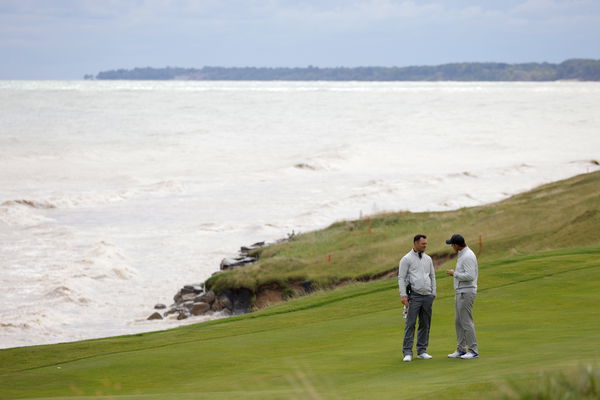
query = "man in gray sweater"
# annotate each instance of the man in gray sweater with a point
(465, 287)
(416, 271)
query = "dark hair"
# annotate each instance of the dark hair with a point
(419, 237)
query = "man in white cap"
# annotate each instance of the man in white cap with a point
(465, 287)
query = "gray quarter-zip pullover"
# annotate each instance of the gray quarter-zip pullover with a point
(419, 272)
(466, 273)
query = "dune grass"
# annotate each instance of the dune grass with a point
(535, 312)
(563, 214)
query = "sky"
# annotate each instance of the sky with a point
(65, 39)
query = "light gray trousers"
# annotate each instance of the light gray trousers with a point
(419, 307)
(463, 320)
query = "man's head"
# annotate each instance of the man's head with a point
(420, 242)
(457, 242)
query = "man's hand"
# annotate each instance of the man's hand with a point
(404, 300)
(450, 272)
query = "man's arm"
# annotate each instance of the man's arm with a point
(432, 276)
(402, 282)
(402, 276)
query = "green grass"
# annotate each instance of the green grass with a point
(536, 312)
(563, 214)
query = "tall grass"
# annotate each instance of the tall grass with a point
(582, 383)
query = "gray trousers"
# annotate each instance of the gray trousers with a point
(463, 320)
(419, 306)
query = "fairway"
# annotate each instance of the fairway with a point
(533, 313)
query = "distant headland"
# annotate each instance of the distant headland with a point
(574, 69)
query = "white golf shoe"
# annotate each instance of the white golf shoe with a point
(425, 356)
(456, 354)
(469, 355)
(407, 358)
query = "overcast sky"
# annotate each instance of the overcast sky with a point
(65, 39)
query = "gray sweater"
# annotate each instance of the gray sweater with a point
(466, 273)
(419, 272)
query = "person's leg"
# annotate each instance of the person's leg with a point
(424, 324)
(414, 308)
(458, 323)
(470, 338)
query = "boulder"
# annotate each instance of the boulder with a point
(200, 308)
(208, 297)
(182, 315)
(247, 249)
(169, 312)
(188, 290)
(231, 263)
(196, 287)
(222, 303)
(155, 315)
(160, 306)
(188, 297)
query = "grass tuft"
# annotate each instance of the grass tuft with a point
(582, 383)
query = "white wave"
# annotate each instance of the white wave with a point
(16, 214)
(95, 198)
(30, 203)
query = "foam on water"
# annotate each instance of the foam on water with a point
(115, 194)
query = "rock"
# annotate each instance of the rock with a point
(200, 308)
(187, 297)
(155, 315)
(182, 315)
(231, 263)
(216, 305)
(188, 305)
(222, 303)
(208, 297)
(171, 311)
(238, 300)
(190, 290)
(257, 245)
(196, 287)
(160, 306)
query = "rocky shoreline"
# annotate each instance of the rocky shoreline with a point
(194, 299)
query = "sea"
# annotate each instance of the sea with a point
(115, 194)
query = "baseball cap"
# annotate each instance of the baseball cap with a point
(456, 239)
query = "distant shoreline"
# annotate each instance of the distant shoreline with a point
(569, 70)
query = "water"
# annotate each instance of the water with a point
(115, 194)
